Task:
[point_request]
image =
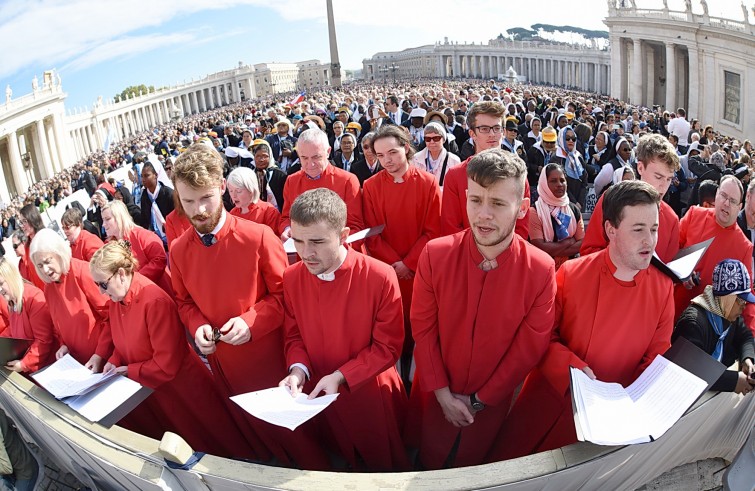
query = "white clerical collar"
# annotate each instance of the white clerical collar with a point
(217, 227)
(332, 275)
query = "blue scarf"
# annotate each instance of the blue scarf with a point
(718, 327)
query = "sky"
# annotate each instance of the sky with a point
(101, 47)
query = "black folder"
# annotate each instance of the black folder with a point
(696, 361)
(13, 349)
(665, 269)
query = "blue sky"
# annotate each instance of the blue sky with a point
(100, 47)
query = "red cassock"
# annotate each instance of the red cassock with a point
(453, 213)
(475, 332)
(33, 322)
(175, 225)
(410, 212)
(150, 341)
(668, 232)
(362, 338)
(80, 313)
(4, 315)
(241, 275)
(698, 225)
(149, 251)
(344, 184)
(261, 212)
(615, 327)
(30, 272)
(85, 246)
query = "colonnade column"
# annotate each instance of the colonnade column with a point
(636, 81)
(17, 168)
(670, 77)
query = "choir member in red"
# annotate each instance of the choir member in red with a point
(30, 222)
(233, 303)
(28, 318)
(482, 316)
(244, 189)
(78, 309)
(83, 243)
(614, 314)
(700, 224)
(317, 172)
(18, 241)
(147, 246)
(176, 222)
(657, 164)
(485, 120)
(354, 353)
(407, 201)
(150, 348)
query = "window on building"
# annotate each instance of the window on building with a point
(732, 96)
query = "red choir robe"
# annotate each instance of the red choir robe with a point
(343, 183)
(29, 272)
(149, 251)
(33, 322)
(85, 246)
(261, 212)
(698, 225)
(175, 224)
(453, 214)
(410, 212)
(4, 315)
(80, 313)
(615, 327)
(241, 275)
(668, 232)
(362, 338)
(475, 332)
(150, 341)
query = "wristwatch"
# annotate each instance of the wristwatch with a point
(476, 404)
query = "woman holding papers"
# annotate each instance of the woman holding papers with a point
(151, 348)
(713, 322)
(147, 246)
(78, 310)
(245, 193)
(29, 318)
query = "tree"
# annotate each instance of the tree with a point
(134, 91)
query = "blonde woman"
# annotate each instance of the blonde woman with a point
(29, 318)
(151, 348)
(245, 193)
(147, 246)
(78, 309)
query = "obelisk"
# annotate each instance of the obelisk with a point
(335, 66)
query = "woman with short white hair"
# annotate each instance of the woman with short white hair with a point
(434, 158)
(243, 187)
(78, 309)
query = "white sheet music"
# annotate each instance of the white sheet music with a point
(98, 403)
(684, 266)
(67, 377)
(276, 406)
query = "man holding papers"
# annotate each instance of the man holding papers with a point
(482, 316)
(344, 332)
(614, 315)
(657, 163)
(700, 224)
(407, 200)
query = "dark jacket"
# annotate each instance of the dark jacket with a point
(360, 169)
(133, 209)
(694, 326)
(164, 203)
(277, 181)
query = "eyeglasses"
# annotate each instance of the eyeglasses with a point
(727, 199)
(487, 129)
(741, 302)
(571, 138)
(104, 284)
(22, 222)
(16, 245)
(435, 139)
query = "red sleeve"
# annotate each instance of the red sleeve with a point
(424, 321)
(99, 305)
(91, 245)
(522, 227)
(165, 337)
(661, 340)
(431, 229)
(154, 252)
(749, 313)
(4, 316)
(115, 357)
(191, 316)
(273, 218)
(353, 199)
(267, 313)
(451, 219)
(595, 238)
(684, 227)
(293, 344)
(528, 346)
(387, 337)
(43, 333)
(376, 245)
(289, 195)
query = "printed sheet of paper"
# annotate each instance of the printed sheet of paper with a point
(276, 406)
(685, 266)
(67, 378)
(99, 403)
(289, 247)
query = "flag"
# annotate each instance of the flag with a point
(299, 98)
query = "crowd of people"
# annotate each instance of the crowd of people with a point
(449, 334)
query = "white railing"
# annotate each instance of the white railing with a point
(685, 16)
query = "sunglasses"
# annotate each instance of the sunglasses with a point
(433, 138)
(16, 246)
(104, 284)
(571, 138)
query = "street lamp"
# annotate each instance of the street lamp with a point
(393, 69)
(384, 70)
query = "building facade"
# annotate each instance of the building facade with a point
(274, 78)
(537, 61)
(685, 59)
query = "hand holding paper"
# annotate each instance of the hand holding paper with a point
(276, 406)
